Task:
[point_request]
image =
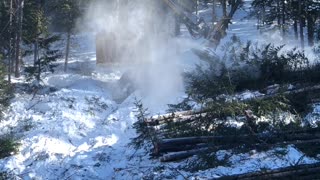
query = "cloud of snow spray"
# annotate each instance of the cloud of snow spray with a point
(142, 31)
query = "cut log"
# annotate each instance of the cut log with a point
(295, 91)
(180, 118)
(162, 149)
(237, 139)
(299, 135)
(167, 116)
(182, 154)
(185, 154)
(191, 115)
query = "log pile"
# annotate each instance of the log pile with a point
(174, 149)
(180, 148)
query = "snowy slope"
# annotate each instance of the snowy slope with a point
(76, 130)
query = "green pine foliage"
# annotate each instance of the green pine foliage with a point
(4, 36)
(217, 113)
(5, 89)
(145, 136)
(46, 59)
(252, 67)
(8, 146)
(64, 14)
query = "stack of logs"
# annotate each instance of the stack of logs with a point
(175, 149)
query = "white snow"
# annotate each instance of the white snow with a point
(79, 132)
(313, 118)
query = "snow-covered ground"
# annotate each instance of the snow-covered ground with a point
(76, 130)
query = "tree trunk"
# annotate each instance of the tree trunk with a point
(35, 52)
(214, 16)
(197, 6)
(67, 51)
(36, 43)
(18, 57)
(224, 8)
(39, 69)
(295, 28)
(263, 14)
(283, 17)
(185, 154)
(10, 41)
(301, 23)
(177, 25)
(310, 29)
(182, 154)
(166, 144)
(278, 14)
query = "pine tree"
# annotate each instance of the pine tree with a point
(66, 12)
(5, 88)
(46, 57)
(298, 13)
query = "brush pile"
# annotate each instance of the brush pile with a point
(261, 123)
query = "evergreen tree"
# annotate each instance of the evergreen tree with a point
(5, 88)
(46, 57)
(296, 13)
(65, 15)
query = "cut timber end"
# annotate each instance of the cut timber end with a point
(106, 48)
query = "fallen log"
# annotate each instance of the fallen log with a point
(185, 154)
(290, 92)
(305, 171)
(178, 148)
(178, 144)
(191, 115)
(169, 116)
(174, 119)
(182, 155)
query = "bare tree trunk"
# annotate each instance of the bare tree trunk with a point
(36, 43)
(278, 14)
(10, 42)
(14, 34)
(19, 38)
(214, 16)
(283, 17)
(263, 14)
(35, 52)
(67, 51)
(301, 24)
(177, 25)
(310, 28)
(295, 28)
(197, 6)
(224, 8)
(39, 70)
